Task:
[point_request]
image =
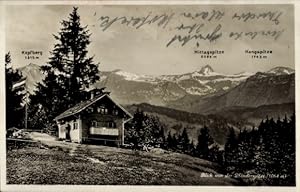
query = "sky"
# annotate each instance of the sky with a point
(144, 50)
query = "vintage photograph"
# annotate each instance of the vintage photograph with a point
(167, 95)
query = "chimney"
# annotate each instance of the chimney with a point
(92, 94)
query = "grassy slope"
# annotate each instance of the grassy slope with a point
(88, 164)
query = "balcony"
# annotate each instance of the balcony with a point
(104, 131)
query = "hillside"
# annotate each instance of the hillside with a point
(176, 120)
(254, 115)
(74, 164)
(259, 89)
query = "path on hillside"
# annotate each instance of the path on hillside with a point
(70, 163)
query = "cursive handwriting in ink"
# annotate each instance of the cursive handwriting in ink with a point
(271, 16)
(212, 36)
(191, 28)
(253, 34)
(161, 20)
(205, 15)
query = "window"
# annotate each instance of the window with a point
(111, 124)
(108, 124)
(102, 110)
(94, 123)
(115, 112)
(75, 125)
(90, 110)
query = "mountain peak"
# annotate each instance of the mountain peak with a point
(30, 65)
(206, 70)
(116, 70)
(281, 71)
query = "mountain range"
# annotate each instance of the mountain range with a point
(257, 90)
(198, 98)
(153, 89)
(130, 88)
(186, 89)
(204, 91)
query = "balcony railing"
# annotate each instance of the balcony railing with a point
(104, 131)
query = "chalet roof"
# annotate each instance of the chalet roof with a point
(83, 105)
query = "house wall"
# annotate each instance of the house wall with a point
(61, 131)
(74, 132)
(87, 123)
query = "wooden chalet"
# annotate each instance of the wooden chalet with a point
(98, 120)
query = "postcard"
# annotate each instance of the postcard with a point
(155, 96)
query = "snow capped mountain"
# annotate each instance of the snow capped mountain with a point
(135, 77)
(207, 71)
(281, 71)
(129, 88)
(202, 82)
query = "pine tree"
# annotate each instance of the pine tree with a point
(170, 144)
(68, 73)
(14, 97)
(136, 129)
(290, 151)
(154, 131)
(162, 138)
(175, 143)
(183, 141)
(245, 151)
(230, 155)
(215, 154)
(191, 148)
(204, 141)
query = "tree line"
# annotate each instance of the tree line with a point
(14, 95)
(263, 155)
(268, 150)
(148, 130)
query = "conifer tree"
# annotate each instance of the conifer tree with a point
(170, 144)
(14, 97)
(69, 72)
(175, 143)
(136, 131)
(191, 148)
(183, 141)
(154, 131)
(245, 151)
(204, 141)
(162, 138)
(231, 147)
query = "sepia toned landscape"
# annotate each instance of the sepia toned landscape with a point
(166, 95)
